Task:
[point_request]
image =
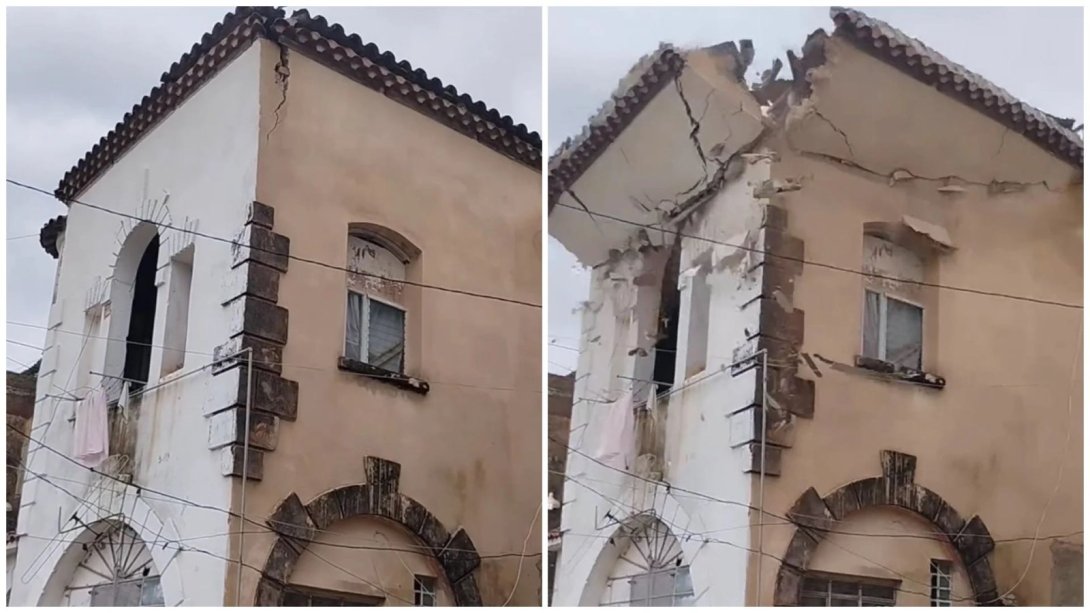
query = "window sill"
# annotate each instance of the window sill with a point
(388, 377)
(900, 373)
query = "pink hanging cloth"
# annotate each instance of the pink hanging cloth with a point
(91, 440)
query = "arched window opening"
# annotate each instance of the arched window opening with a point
(116, 570)
(650, 570)
(142, 317)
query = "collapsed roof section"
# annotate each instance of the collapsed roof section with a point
(326, 43)
(678, 119)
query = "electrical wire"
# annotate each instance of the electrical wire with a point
(235, 243)
(262, 362)
(185, 501)
(525, 545)
(871, 275)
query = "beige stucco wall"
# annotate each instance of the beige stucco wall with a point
(995, 440)
(470, 451)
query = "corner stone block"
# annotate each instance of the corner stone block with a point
(229, 427)
(800, 549)
(267, 355)
(382, 475)
(260, 244)
(975, 541)
(423, 524)
(281, 560)
(268, 594)
(460, 557)
(982, 579)
(810, 511)
(232, 458)
(291, 518)
(261, 215)
(325, 510)
(466, 593)
(788, 584)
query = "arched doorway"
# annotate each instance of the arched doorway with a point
(298, 569)
(967, 542)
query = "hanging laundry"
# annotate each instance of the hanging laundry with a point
(123, 399)
(617, 440)
(91, 442)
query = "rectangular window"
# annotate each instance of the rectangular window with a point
(665, 587)
(847, 591)
(423, 591)
(892, 330)
(177, 322)
(305, 596)
(375, 332)
(700, 297)
(942, 572)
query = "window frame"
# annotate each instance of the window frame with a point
(858, 580)
(425, 587)
(365, 328)
(678, 597)
(942, 569)
(344, 599)
(883, 322)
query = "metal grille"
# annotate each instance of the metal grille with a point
(941, 578)
(847, 592)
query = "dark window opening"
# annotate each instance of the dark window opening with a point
(142, 318)
(669, 311)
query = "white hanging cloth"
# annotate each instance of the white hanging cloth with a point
(616, 443)
(91, 442)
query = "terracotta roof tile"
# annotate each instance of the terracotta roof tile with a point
(923, 63)
(653, 71)
(326, 43)
(642, 82)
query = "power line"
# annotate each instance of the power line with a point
(15, 238)
(291, 257)
(182, 500)
(263, 362)
(853, 271)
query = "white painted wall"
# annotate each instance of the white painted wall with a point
(198, 170)
(700, 427)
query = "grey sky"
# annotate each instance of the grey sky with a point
(1034, 53)
(74, 72)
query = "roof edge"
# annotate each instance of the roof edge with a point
(331, 46)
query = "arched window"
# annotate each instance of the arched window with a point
(650, 570)
(377, 307)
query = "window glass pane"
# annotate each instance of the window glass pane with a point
(871, 318)
(386, 336)
(878, 591)
(640, 589)
(840, 587)
(812, 601)
(904, 334)
(151, 593)
(683, 585)
(354, 321)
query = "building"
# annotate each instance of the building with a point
(560, 400)
(832, 348)
(20, 412)
(261, 267)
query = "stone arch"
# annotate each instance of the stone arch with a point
(107, 501)
(380, 496)
(666, 510)
(897, 487)
(122, 288)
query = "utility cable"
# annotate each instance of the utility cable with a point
(235, 243)
(191, 503)
(871, 275)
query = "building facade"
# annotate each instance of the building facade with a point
(832, 350)
(294, 391)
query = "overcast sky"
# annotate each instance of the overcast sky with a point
(74, 72)
(1034, 53)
